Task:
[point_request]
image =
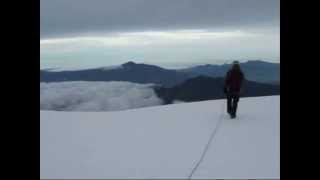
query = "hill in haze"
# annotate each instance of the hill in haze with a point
(207, 88)
(256, 70)
(130, 71)
(260, 71)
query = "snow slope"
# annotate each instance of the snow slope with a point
(163, 142)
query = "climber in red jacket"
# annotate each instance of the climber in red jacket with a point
(232, 87)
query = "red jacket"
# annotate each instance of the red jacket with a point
(233, 80)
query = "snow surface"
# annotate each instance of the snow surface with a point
(163, 142)
(96, 96)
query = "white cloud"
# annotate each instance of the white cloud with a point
(159, 47)
(96, 96)
(142, 38)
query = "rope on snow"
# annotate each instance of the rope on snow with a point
(209, 142)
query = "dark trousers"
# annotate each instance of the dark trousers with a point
(232, 103)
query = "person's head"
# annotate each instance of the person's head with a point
(235, 65)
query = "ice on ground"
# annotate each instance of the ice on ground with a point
(163, 142)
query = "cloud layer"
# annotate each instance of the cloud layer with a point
(159, 47)
(72, 17)
(96, 96)
(169, 33)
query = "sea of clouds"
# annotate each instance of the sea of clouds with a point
(96, 96)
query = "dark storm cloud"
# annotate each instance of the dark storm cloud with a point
(71, 17)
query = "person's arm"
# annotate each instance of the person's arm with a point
(226, 82)
(243, 83)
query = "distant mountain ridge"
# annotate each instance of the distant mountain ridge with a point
(259, 71)
(207, 88)
(256, 70)
(130, 71)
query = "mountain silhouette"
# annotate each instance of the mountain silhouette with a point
(256, 70)
(207, 88)
(130, 71)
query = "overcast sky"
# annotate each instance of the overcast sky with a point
(93, 33)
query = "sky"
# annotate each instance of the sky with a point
(169, 33)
